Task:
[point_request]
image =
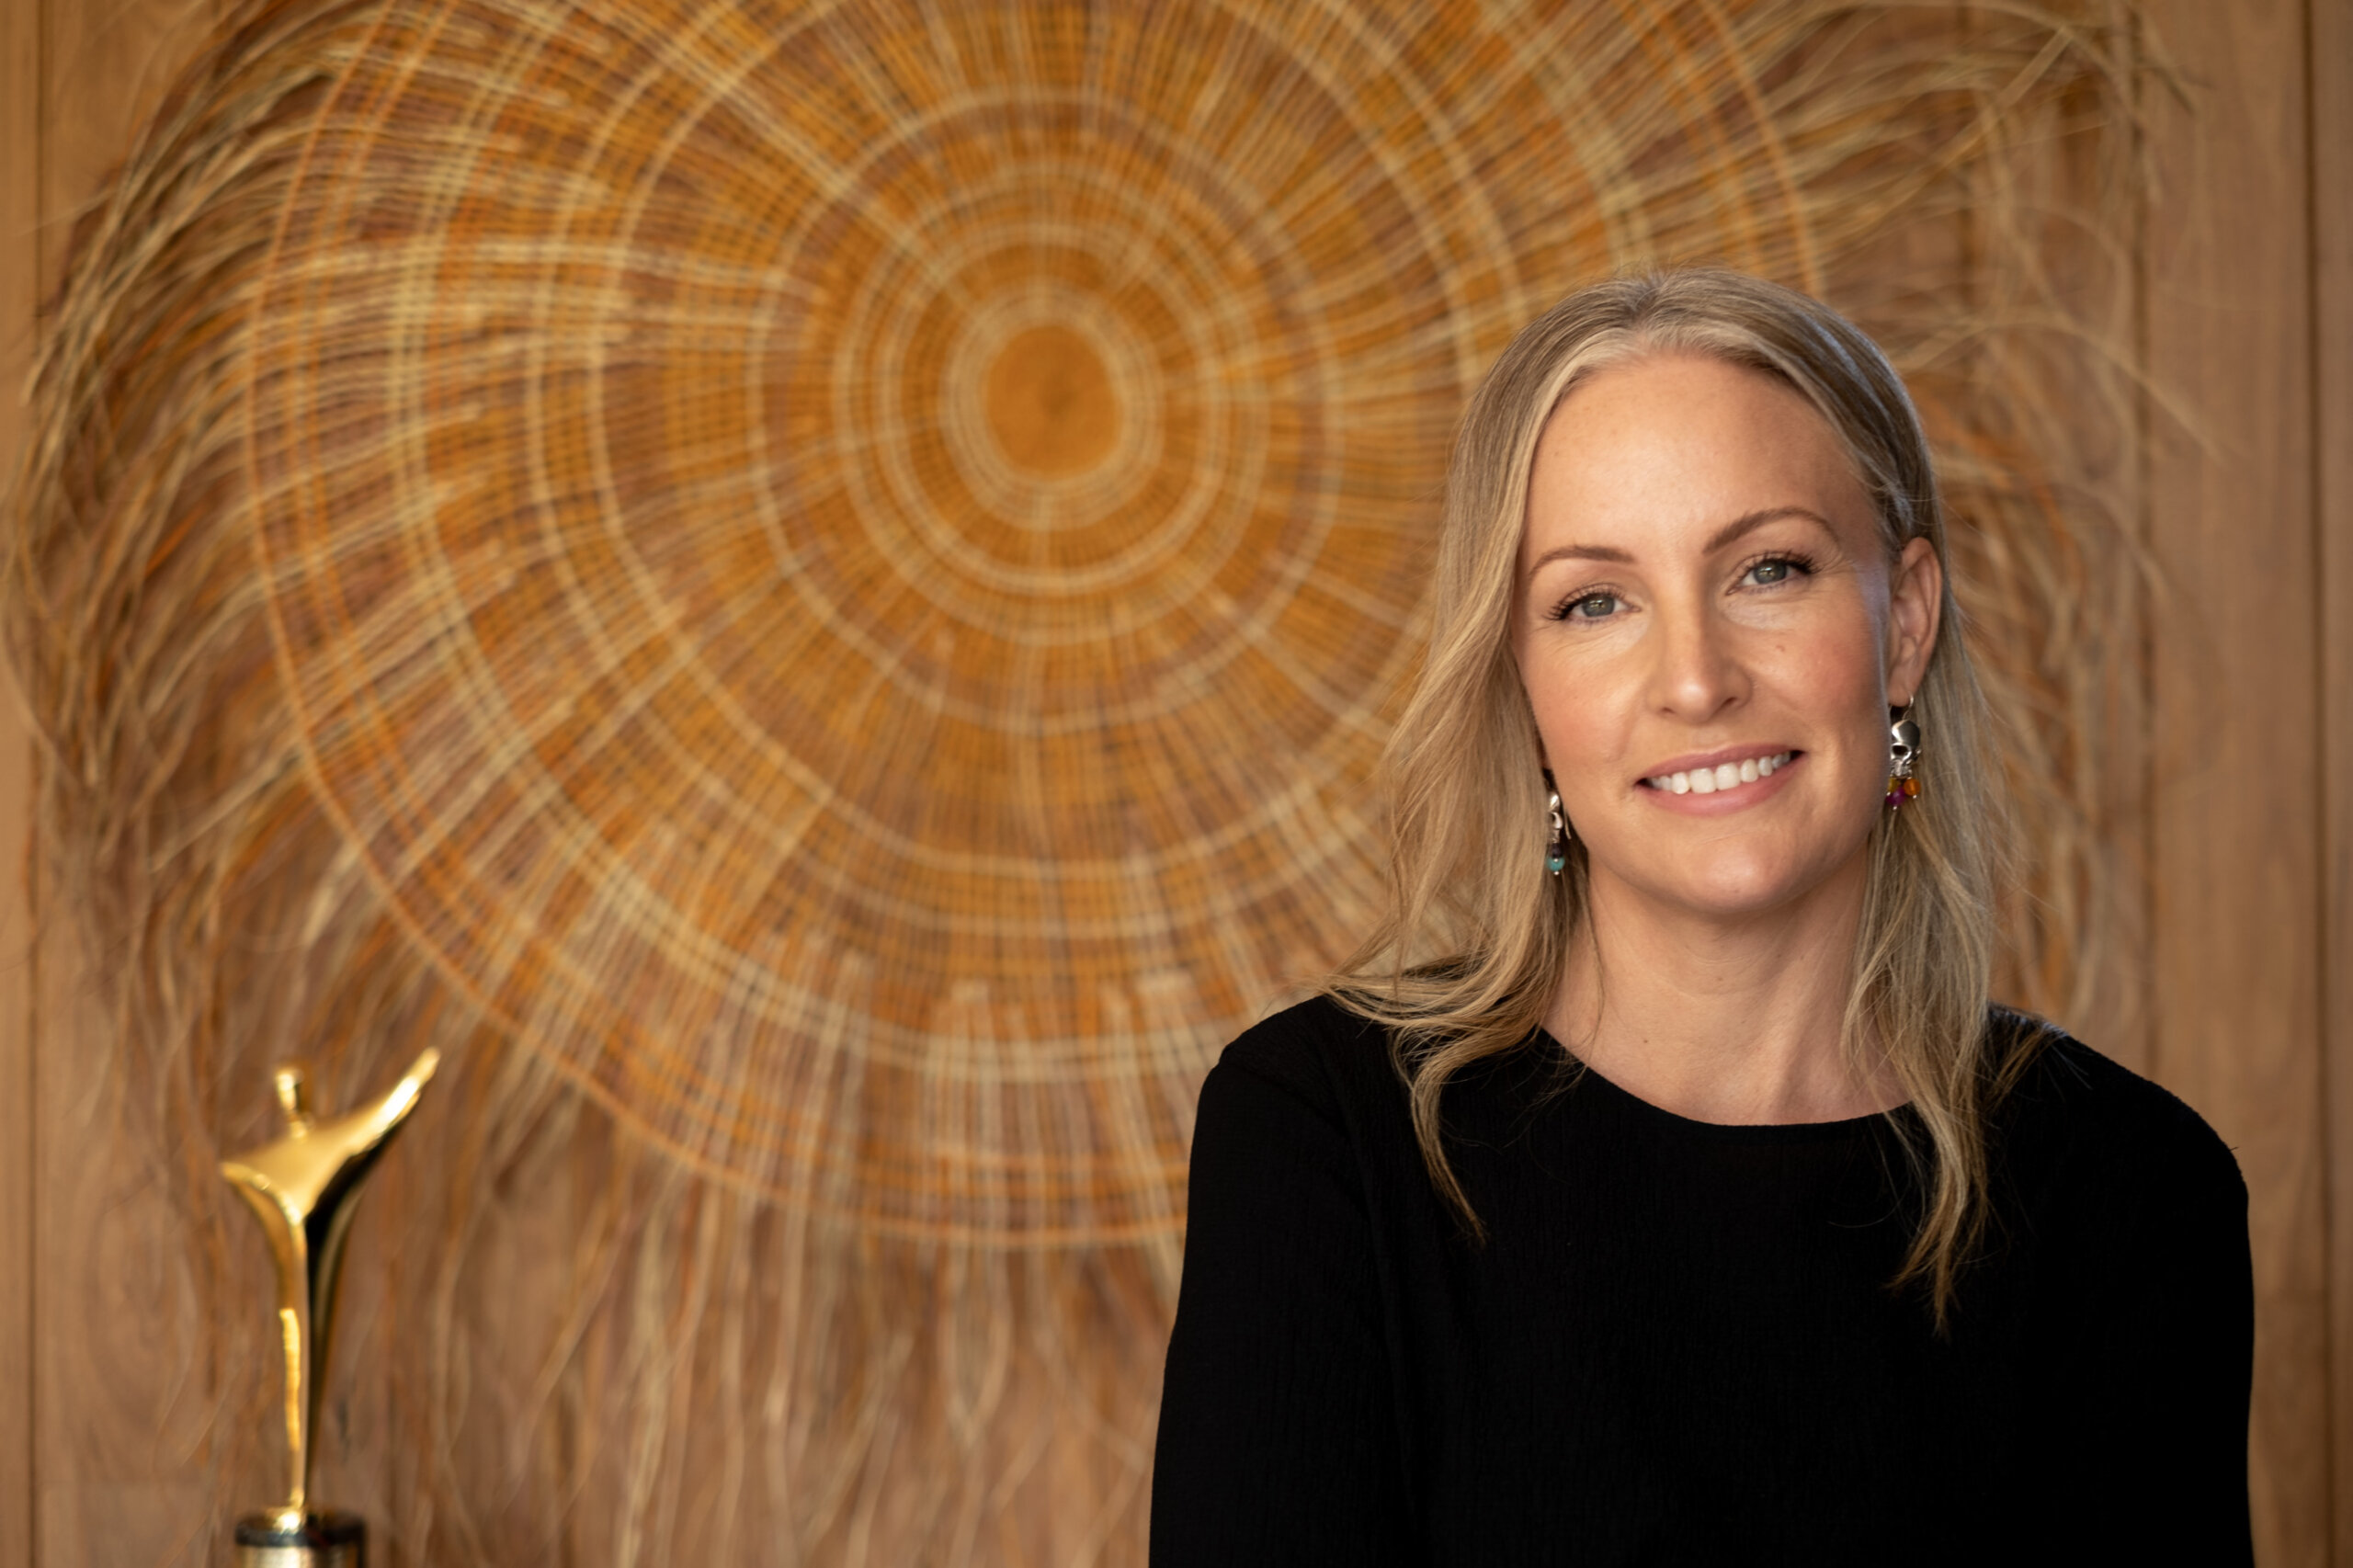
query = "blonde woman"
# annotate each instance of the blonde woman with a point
(1658, 1184)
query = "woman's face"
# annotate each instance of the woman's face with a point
(1711, 633)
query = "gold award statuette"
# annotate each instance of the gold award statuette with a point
(303, 1188)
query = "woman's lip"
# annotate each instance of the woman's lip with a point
(1740, 797)
(1733, 755)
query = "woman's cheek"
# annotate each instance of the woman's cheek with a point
(1578, 710)
(1832, 667)
(1837, 687)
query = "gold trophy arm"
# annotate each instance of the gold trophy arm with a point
(289, 1250)
(302, 1187)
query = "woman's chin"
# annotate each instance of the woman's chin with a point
(1723, 884)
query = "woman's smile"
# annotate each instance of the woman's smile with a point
(1720, 782)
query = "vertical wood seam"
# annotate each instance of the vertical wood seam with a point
(23, 54)
(36, 904)
(2144, 524)
(36, 909)
(2328, 45)
(2317, 546)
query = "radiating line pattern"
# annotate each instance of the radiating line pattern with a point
(830, 575)
(842, 564)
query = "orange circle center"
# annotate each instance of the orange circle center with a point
(1050, 402)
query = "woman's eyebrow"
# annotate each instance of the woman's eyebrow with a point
(1757, 519)
(1578, 552)
(1723, 536)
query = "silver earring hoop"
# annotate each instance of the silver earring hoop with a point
(1556, 854)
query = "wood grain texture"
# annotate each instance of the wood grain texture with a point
(113, 1479)
(2331, 91)
(2236, 885)
(19, 182)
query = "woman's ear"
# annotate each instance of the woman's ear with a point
(1915, 603)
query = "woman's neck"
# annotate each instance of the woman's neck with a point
(1725, 1021)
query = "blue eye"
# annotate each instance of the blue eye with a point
(1589, 607)
(1775, 569)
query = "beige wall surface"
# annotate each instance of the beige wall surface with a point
(2245, 300)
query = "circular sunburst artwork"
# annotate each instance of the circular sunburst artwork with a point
(841, 566)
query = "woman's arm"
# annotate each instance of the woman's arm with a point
(1277, 1427)
(2156, 1470)
(2183, 1368)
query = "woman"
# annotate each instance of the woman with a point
(1657, 1185)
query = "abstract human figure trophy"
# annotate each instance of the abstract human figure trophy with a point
(303, 1188)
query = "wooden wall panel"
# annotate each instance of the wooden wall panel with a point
(2331, 90)
(19, 184)
(2236, 694)
(101, 1490)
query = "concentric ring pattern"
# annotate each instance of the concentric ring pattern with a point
(842, 565)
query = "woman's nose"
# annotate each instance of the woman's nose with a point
(1696, 674)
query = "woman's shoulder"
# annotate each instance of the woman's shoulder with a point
(1308, 1101)
(2068, 1104)
(1321, 1058)
(1318, 1050)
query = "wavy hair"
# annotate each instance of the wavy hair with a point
(1474, 935)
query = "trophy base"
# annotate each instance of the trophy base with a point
(321, 1541)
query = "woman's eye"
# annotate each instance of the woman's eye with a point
(1765, 573)
(1589, 607)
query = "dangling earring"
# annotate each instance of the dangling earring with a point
(1556, 855)
(1903, 751)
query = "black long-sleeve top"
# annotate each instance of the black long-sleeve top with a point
(1679, 1343)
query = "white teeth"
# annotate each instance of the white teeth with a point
(1725, 776)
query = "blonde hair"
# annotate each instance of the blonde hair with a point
(1466, 958)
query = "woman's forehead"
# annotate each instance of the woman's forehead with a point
(1661, 447)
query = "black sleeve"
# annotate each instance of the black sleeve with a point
(2170, 1366)
(1277, 1425)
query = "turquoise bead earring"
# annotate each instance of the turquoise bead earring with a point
(1556, 854)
